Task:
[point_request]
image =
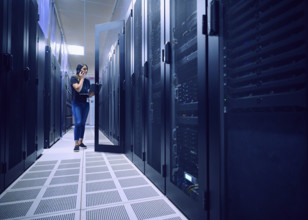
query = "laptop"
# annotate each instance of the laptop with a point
(92, 89)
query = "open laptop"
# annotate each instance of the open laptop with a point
(92, 89)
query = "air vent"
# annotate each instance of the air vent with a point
(36, 175)
(14, 210)
(70, 165)
(98, 176)
(69, 216)
(152, 209)
(102, 198)
(20, 195)
(96, 169)
(118, 161)
(140, 193)
(67, 172)
(122, 167)
(65, 179)
(93, 164)
(29, 183)
(61, 190)
(133, 182)
(41, 168)
(117, 212)
(70, 161)
(100, 186)
(126, 173)
(55, 205)
(50, 162)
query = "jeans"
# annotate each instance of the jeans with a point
(80, 113)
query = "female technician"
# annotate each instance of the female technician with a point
(80, 106)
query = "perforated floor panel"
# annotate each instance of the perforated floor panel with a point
(67, 185)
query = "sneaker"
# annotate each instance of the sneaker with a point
(83, 146)
(76, 148)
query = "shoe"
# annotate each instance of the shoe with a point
(83, 146)
(76, 148)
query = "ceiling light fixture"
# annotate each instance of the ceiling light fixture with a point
(75, 50)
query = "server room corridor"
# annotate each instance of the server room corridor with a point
(88, 185)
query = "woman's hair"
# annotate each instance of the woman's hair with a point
(79, 66)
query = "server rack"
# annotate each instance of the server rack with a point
(186, 130)
(30, 113)
(57, 101)
(40, 90)
(138, 86)
(262, 108)
(127, 84)
(155, 94)
(3, 71)
(19, 42)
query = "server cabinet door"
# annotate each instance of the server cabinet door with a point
(154, 70)
(138, 87)
(186, 121)
(31, 83)
(15, 85)
(264, 52)
(57, 97)
(128, 87)
(3, 74)
(40, 90)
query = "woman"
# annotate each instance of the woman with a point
(80, 106)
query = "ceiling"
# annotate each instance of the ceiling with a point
(78, 19)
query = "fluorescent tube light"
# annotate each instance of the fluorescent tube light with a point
(75, 50)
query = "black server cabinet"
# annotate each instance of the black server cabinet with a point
(3, 72)
(186, 131)
(263, 80)
(30, 113)
(154, 92)
(128, 86)
(138, 87)
(20, 42)
(41, 90)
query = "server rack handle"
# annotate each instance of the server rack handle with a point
(214, 16)
(168, 53)
(26, 73)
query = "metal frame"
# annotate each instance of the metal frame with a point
(98, 29)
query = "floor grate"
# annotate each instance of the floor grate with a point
(29, 183)
(61, 190)
(65, 179)
(140, 193)
(117, 212)
(100, 186)
(97, 176)
(152, 209)
(102, 198)
(20, 195)
(14, 210)
(67, 172)
(96, 169)
(69, 216)
(57, 204)
(122, 167)
(36, 175)
(126, 173)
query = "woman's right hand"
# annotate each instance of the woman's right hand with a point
(81, 75)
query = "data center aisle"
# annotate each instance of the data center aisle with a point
(88, 185)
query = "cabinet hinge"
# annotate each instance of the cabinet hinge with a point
(131, 148)
(143, 156)
(24, 155)
(164, 170)
(131, 12)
